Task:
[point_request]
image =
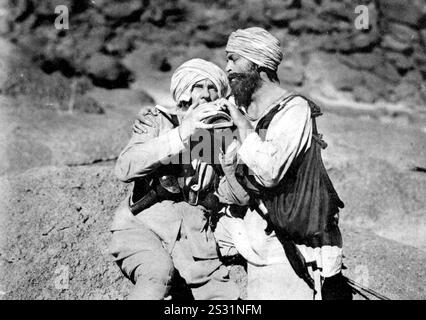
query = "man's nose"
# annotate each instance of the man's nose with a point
(228, 67)
(205, 94)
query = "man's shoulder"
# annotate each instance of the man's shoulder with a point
(291, 108)
(290, 104)
(294, 99)
(161, 120)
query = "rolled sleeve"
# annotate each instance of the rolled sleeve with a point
(147, 151)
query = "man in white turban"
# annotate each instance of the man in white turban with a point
(194, 72)
(277, 159)
(163, 228)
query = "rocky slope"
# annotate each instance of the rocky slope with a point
(55, 236)
(324, 50)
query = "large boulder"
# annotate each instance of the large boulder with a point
(129, 9)
(107, 71)
(403, 32)
(399, 60)
(402, 11)
(365, 61)
(394, 44)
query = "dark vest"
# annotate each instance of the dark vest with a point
(303, 207)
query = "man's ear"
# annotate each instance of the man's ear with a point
(263, 75)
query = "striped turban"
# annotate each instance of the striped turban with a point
(256, 45)
(193, 71)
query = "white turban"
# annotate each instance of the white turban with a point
(193, 71)
(257, 45)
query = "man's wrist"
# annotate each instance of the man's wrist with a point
(244, 131)
(185, 131)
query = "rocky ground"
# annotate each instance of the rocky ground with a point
(61, 131)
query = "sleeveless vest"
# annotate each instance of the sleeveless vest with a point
(303, 207)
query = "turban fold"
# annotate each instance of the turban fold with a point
(257, 45)
(193, 71)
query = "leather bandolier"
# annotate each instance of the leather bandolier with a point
(303, 207)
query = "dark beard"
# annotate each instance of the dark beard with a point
(243, 85)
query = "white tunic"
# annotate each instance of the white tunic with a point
(288, 134)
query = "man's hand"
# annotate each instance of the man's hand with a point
(193, 117)
(244, 126)
(142, 120)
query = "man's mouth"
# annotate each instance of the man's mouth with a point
(232, 76)
(235, 76)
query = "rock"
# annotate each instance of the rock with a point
(419, 58)
(388, 72)
(399, 60)
(349, 42)
(282, 17)
(161, 11)
(47, 8)
(5, 19)
(413, 76)
(340, 42)
(280, 4)
(402, 11)
(120, 44)
(423, 34)
(349, 60)
(254, 13)
(21, 10)
(363, 94)
(341, 76)
(309, 5)
(213, 38)
(87, 104)
(326, 69)
(310, 24)
(123, 9)
(87, 43)
(389, 42)
(336, 10)
(403, 33)
(107, 71)
(405, 90)
(364, 40)
(278, 12)
(366, 61)
(160, 60)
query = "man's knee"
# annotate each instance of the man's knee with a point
(152, 278)
(224, 238)
(157, 267)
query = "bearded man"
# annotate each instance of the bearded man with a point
(164, 225)
(292, 221)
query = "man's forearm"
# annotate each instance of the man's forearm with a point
(231, 192)
(140, 158)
